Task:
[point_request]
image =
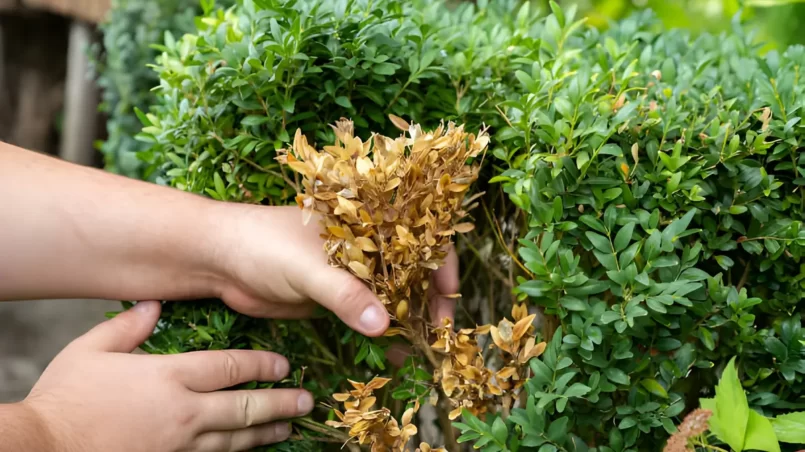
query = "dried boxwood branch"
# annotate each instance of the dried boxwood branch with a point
(389, 208)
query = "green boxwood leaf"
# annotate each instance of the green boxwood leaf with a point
(654, 387)
(600, 242)
(576, 390)
(624, 236)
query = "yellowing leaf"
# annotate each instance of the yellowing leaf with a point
(399, 123)
(337, 231)
(522, 326)
(366, 244)
(346, 206)
(458, 188)
(402, 310)
(360, 270)
(393, 331)
(364, 166)
(407, 416)
(392, 184)
(464, 228)
(506, 373)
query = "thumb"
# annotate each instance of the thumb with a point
(125, 332)
(350, 299)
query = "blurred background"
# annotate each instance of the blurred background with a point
(70, 78)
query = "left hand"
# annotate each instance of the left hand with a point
(96, 396)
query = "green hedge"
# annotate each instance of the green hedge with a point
(661, 177)
(653, 187)
(121, 64)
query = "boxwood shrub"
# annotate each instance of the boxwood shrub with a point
(122, 72)
(645, 191)
(661, 180)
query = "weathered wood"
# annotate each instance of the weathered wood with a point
(81, 99)
(85, 10)
(9, 5)
(34, 70)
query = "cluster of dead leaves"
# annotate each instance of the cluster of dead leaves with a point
(463, 375)
(390, 206)
(694, 424)
(375, 427)
(370, 426)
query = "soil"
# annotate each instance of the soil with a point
(33, 333)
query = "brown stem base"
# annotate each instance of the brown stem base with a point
(446, 424)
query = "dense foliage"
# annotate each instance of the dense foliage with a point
(123, 73)
(662, 182)
(645, 189)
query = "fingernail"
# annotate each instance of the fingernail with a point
(281, 368)
(141, 307)
(283, 430)
(372, 318)
(305, 403)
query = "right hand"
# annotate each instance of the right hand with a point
(96, 396)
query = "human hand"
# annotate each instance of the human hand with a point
(276, 267)
(96, 396)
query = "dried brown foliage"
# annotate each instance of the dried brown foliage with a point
(369, 426)
(694, 424)
(390, 208)
(463, 375)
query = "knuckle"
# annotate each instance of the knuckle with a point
(350, 291)
(247, 409)
(288, 402)
(222, 441)
(229, 367)
(186, 417)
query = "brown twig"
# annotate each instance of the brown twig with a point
(744, 277)
(446, 424)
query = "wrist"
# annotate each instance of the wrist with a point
(22, 428)
(238, 232)
(208, 246)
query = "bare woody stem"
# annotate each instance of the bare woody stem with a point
(322, 429)
(446, 424)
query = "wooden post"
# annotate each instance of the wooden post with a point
(81, 99)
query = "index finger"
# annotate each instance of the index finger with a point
(208, 371)
(445, 281)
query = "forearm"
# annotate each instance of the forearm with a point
(22, 429)
(73, 232)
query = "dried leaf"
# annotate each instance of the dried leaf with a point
(393, 331)
(399, 123)
(366, 244)
(464, 228)
(360, 270)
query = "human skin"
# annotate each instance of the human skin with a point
(70, 232)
